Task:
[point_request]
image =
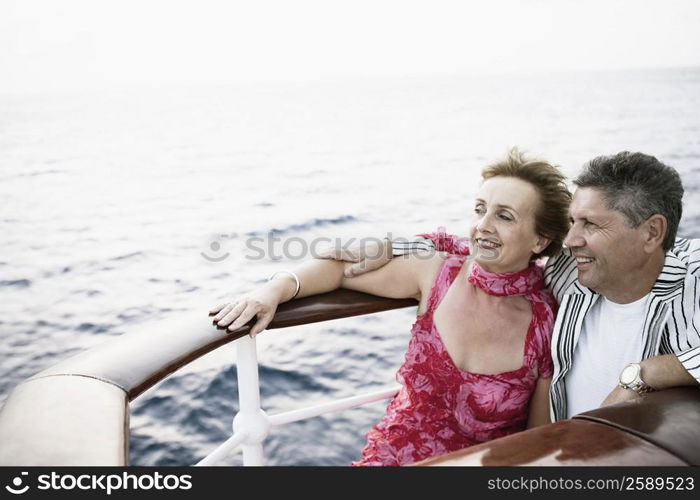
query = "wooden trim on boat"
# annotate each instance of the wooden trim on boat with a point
(76, 412)
(660, 430)
(139, 359)
(670, 419)
(565, 443)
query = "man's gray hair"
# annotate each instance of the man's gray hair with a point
(638, 186)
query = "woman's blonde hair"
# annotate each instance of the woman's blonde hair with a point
(552, 213)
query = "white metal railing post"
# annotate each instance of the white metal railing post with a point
(251, 425)
(250, 419)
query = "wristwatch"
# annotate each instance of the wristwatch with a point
(631, 378)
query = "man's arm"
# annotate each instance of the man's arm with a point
(373, 253)
(404, 246)
(666, 371)
(660, 372)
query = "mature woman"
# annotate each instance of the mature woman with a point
(478, 364)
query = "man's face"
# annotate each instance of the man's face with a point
(608, 251)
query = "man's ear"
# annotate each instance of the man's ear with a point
(655, 229)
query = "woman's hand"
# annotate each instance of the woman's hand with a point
(233, 315)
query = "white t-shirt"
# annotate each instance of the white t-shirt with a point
(611, 337)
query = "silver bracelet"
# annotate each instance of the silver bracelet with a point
(296, 278)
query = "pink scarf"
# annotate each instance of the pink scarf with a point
(525, 282)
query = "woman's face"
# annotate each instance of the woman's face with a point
(502, 230)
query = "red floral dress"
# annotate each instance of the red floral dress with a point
(441, 408)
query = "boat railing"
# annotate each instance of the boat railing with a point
(251, 425)
(77, 411)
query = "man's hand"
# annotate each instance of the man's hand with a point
(620, 395)
(366, 256)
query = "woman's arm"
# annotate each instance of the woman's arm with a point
(539, 404)
(399, 279)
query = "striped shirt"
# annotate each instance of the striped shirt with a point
(671, 320)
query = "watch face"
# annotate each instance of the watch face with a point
(629, 374)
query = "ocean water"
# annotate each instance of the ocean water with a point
(110, 200)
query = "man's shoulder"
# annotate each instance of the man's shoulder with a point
(687, 251)
(686, 247)
(559, 264)
(560, 273)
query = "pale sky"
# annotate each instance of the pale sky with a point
(84, 44)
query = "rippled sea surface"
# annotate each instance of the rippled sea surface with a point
(110, 199)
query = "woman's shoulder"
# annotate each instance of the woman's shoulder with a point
(430, 262)
(429, 267)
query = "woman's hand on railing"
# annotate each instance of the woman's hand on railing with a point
(261, 304)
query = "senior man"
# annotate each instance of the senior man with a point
(628, 289)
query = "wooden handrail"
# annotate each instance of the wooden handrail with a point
(137, 360)
(76, 412)
(669, 419)
(661, 429)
